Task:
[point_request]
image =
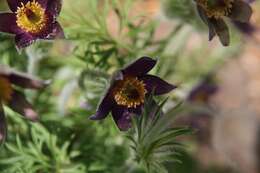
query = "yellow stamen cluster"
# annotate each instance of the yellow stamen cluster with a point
(129, 92)
(216, 11)
(5, 90)
(31, 17)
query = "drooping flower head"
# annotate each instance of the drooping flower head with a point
(14, 98)
(200, 119)
(212, 13)
(202, 92)
(126, 94)
(31, 20)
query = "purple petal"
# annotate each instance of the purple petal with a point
(122, 117)
(27, 81)
(8, 23)
(205, 19)
(42, 2)
(140, 67)
(20, 105)
(13, 4)
(3, 127)
(54, 31)
(23, 40)
(156, 85)
(104, 107)
(241, 11)
(222, 31)
(54, 7)
(22, 79)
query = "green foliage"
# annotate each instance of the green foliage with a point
(70, 144)
(154, 140)
(42, 153)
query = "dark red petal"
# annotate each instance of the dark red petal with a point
(104, 107)
(140, 67)
(20, 105)
(13, 4)
(23, 40)
(241, 11)
(222, 31)
(27, 81)
(3, 127)
(156, 85)
(206, 20)
(202, 14)
(8, 23)
(22, 79)
(54, 7)
(43, 3)
(122, 117)
(54, 31)
(212, 32)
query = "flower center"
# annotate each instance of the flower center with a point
(5, 90)
(129, 92)
(31, 17)
(216, 8)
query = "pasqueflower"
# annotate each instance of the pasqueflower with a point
(126, 94)
(202, 92)
(31, 20)
(212, 12)
(14, 98)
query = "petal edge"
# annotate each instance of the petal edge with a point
(8, 23)
(139, 67)
(104, 108)
(156, 85)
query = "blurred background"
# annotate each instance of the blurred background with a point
(219, 85)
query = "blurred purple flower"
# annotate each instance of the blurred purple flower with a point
(203, 91)
(14, 98)
(31, 20)
(126, 94)
(212, 13)
(200, 119)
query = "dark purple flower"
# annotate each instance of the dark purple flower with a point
(212, 13)
(14, 98)
(200, 119)
(31, 20)
(203, 91)
(126, 94)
